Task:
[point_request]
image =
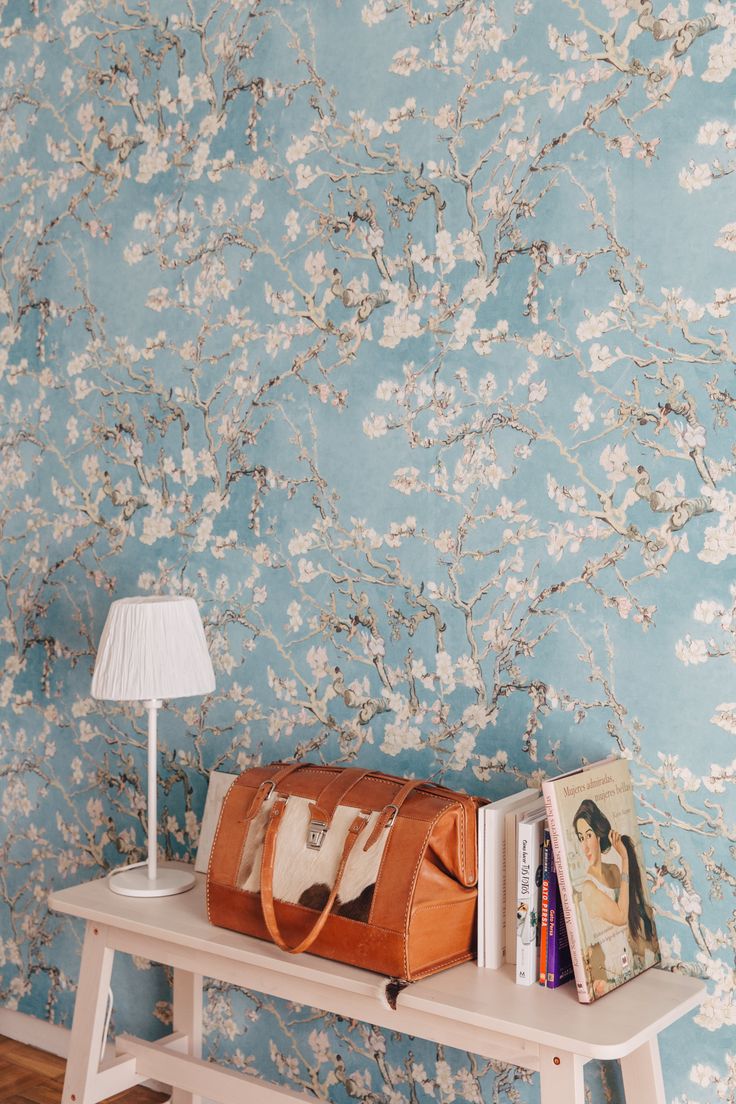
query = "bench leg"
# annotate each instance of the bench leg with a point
(188, 1019)
(86, 1042)
(561, 1076)
(642, 1074)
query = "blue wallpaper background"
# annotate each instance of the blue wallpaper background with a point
(398, 334)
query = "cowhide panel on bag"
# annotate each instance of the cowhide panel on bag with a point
(303, 876)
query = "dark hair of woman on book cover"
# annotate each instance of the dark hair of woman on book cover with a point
(613, 895)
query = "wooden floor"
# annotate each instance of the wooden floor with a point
(31, 1076)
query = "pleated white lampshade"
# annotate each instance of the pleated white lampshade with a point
(152, 648)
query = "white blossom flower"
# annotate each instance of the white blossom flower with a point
(305, 175)
(445, 249)
(690, 651)
(319, 1042)
(445, 671)
(399, 326)
(721, 59)
(600, 357)
(723, 300)
(401, 737)
(463, 748)
(406, 480)
(695, 177)
(375, 425)
(300, 543)
(307, 571)
(703, 1075)
(300, 148)
(445, 117)
(537, 391)
(725, 717)
(463, 328)
(315, 266)
(406, 61)
(707, 611)
(727, 237)
(475, 716)
(294, 613)
(595, 325)
(374, 12)
(291, 222)
(584, 409)
(151, 161)
(155, 527)
(719, 541)
(614, 460)
(317, 660)
(711, 132)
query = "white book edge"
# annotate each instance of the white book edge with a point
(566, 894)
(496, 879)
(495, 903)
(511, 821)
(527, 910)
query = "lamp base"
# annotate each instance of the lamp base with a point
(134, 881)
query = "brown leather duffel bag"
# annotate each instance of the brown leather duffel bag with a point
(360, 867)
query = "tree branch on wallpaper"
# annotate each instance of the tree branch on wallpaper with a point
(399, 336)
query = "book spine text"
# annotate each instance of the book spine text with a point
(544, 919)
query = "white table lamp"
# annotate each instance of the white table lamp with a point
(152, 649)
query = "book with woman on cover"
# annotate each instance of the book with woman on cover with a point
(602, 876)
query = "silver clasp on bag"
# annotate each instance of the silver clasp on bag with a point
(316, 834)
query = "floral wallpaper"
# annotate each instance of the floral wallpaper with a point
(400, 335)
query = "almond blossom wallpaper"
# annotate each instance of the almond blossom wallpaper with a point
(399, 334)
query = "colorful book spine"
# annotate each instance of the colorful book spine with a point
(559, 962)
(529, 885)
(544, 919)
(564, 883)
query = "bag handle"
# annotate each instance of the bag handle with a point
(267, 787)
(322, 809)
(390, 812)
(267, 867)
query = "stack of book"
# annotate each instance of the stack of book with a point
(562, 888)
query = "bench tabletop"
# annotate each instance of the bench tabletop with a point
(482, 1000)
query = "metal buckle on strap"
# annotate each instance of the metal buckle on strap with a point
(393, 816)
(316, 834)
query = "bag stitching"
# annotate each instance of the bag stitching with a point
(305, 909)
(425, 786)
(466, 956)
(414, 820)
(441, 905)
(410, 895)
(212, 849)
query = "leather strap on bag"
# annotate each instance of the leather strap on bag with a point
(267, 787)
(323, 808)
(268, 861)
(391, 811)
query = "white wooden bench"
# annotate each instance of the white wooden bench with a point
(482, 1011)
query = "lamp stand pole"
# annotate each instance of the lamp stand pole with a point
(148, 879)
(153, 707)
